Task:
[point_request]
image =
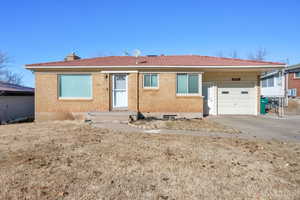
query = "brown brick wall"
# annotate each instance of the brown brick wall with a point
(132, 92)
(294, 83)
(46, 96)
(164, 98)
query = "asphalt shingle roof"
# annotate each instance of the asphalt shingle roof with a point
(8, 87)
(163, 60)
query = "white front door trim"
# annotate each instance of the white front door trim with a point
(210, 102)
(119, 95)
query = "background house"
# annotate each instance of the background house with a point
(293, 80)
(16, 102)
(273, 84)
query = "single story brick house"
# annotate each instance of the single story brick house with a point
(181, 85)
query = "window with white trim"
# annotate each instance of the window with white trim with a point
(75, 86)
(297, 74)
(264, 83)
(271, 81)
(188, 84)
(150, 80)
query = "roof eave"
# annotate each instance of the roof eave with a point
(157, 66)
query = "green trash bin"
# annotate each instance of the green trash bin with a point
(263, 104)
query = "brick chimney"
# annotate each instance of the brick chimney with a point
(71, 56)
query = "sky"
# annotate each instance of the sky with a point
(34, 31)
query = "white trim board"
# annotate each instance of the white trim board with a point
(118, 72)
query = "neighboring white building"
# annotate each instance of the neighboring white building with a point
(273, 84)
(16, 102)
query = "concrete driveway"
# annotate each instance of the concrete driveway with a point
(264, 127)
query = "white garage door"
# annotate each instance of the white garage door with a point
(237, 99)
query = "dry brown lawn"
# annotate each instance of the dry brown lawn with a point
(71, 160)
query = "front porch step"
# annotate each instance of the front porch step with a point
(114, 116)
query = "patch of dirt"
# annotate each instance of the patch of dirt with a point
(293, 106)
(71, 160)
(203, 125)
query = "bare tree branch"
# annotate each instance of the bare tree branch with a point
(220, 54)
(5, 74)
(259, 55)
(3, 60)
(233, 54)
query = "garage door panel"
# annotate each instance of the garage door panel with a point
(236, 98)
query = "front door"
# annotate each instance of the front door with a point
(209, 94)
(119, 91)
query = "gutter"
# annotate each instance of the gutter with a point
(159, 67)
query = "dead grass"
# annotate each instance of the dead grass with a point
(75, 161)
(294, 106)
(203, 125)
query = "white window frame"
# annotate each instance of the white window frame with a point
(295, 76)
(74, 98)
(199, 84)
(150, 87)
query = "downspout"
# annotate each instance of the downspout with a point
(138, 94)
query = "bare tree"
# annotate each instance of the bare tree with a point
(5, 74)
(233, 54)
(259, 55)
(219, 54)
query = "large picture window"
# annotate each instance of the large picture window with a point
(187, 84)
(75, 86)
(297, 74)
(150, 80)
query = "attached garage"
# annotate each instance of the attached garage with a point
(237, 98)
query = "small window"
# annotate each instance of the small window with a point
(279, 80)
(75, 86)
(225, 92)
(264, 83)
(244, 92)
(150, 81)
(297, 74)
(271, 82)
(187, 84)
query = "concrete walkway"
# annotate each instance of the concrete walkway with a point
(127, 128)
(261, 127)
